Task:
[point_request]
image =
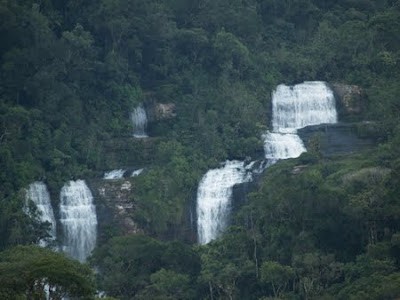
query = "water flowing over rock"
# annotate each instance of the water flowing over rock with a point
(139, 121)
(282, 146)
(114, 174)
(137, 172)
(78, 220)
(294, 107)
(38, 193)
(213, 198)
(308, 103)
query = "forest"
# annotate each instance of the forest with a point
(70, 74)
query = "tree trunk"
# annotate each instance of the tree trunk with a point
(211, 290)
(255, 244)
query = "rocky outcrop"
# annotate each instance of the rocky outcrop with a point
(298, 169)
(115, 205)
(333, 139)
(160, 111)
(351, 99)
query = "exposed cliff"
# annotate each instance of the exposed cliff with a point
(157, 111)
(115, 206)
(351, 100)
(340, 138)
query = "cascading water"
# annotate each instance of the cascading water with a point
(114, 174)
(282, 146)
(308, 103)
(137, 172)
(213, 198)
(139, 121)
(78, 219)
(38, 193)
(294, 107)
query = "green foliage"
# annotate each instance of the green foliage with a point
(373, 287)
(71, 71)
(126, 263)
(227, 267)
(167, 285)
(140, 267)
(277, 275)
(26, 270)
(17, 227)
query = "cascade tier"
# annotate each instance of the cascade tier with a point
(139, 121)
(213, 198)
(78, 220)
(38, 193)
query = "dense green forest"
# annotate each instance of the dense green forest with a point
(72, 71)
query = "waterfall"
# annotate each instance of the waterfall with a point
(308, 103)
(38, 193)
(137, 172)
(139, 121)
(213, 198)
(282, 146)
(295, 107)
(78, 219)
(114, 174)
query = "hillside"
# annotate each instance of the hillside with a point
(324, 225)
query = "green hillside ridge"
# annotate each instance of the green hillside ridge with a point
(72, 71)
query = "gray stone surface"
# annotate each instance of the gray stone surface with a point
(340, 138)
(350, 99)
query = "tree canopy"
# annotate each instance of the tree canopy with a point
(29, 272)
(72, 71)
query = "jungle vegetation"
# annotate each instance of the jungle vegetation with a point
(70, 73)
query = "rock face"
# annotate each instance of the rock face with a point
(340, 138)
(351, 99)
(115, 206)
(298, 169)
(165, 111)
(160, 111)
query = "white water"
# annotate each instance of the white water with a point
(78, 220)
(213, 198)
(137, 172)
(282, 146)
(114, 174)
(294, 107)
(139, 121)
(38, 193)
(308, 103)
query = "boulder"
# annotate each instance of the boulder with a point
(351, 99)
